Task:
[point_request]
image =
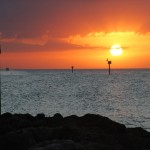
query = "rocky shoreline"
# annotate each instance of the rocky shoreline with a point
(89, 132)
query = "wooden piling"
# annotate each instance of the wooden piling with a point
(72, 67)
(109, 63)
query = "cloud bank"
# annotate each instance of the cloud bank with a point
(37, 23)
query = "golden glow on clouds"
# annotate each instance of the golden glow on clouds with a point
(130, 41)
(103, 39)
(136, 52)
(135, 47)
(75, 33)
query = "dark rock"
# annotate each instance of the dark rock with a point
(5, 115)
(59, 145)
(89, 132)
(40, 116)
(58, 116)
(17, 140)
(103, 123)
(41, 133)
(138, 131)
(66, 132)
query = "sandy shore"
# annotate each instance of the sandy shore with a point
(89, 132)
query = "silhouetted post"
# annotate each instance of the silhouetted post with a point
(0, 79)
(109, 63)
(72, 67)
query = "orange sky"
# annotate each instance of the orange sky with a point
(57, 34)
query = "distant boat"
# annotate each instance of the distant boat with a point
(7, 69)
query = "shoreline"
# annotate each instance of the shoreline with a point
(88, 132)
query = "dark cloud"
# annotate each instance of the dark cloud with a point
(50, 46)
(32, 18)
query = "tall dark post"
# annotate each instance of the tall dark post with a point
(0, 80)
(109, 66)
(72, 67)
(109, 63)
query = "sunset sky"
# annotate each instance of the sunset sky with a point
(58, 34)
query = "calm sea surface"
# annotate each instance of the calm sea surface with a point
(123, 96)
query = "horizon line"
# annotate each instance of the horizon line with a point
(74, 68)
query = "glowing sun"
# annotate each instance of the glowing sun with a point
(116, 50)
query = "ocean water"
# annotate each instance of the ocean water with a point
(123, 96)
